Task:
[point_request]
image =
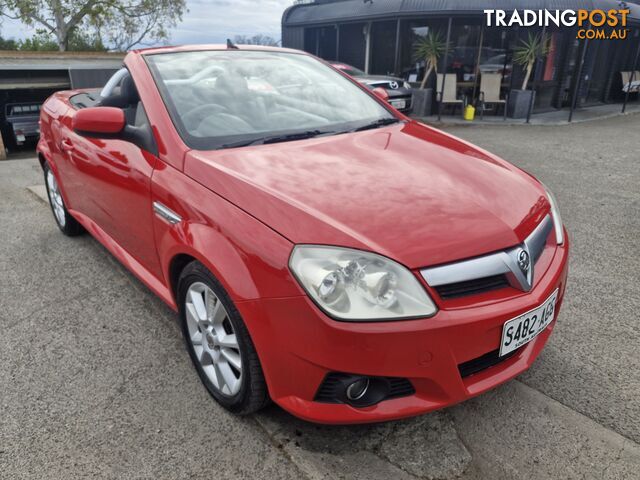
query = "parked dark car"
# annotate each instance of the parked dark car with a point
(399, 91)
(23, 120)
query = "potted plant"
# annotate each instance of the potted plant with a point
(526, 55)
(427, 49)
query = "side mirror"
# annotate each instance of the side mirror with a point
(96, 121)
(381, 93)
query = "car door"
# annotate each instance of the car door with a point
(114, 176)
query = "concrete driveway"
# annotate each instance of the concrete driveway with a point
(95, 381)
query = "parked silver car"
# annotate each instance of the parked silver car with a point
(399, 91)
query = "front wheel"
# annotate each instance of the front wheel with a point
(218, 342)
(67, 224)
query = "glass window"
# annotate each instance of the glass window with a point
(220, 97)
(411, 32)
(352, 44)
(497, 53)
(465, 51)
(383, 47)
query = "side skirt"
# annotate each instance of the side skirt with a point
(135, 267)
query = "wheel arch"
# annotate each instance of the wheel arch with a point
(218, 261)
(245, 274)
(41, 159)
(44, 155)
(176, 265)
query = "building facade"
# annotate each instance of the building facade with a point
(379, 36)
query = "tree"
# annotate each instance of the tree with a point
(429, 49)
(528, 52)
(8, 44)
(258, 39)
(42, 41)
(121, 24)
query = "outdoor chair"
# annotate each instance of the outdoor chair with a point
(627, 85)
(450, 94)
(490, 84)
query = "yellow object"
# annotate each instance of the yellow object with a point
(469, 112)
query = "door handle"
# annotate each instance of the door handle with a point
(66, 145)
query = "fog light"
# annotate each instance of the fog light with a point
(358, 389)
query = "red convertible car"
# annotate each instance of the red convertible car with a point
(322, 250)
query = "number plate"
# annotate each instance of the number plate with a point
(398, 103)
(521, 330)
(20, 138)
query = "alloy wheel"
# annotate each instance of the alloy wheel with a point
(56, 199)
(213, 339)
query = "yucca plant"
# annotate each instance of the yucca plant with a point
(429, 49)
(529, 51)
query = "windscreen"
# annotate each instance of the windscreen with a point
(217, 98)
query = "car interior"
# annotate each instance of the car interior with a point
(217, 97)
(217, 94)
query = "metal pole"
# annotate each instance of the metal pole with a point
(576, 88)
(633, 73)
(367, 48)
(396, 60)
(337, 42)
(477, 69)
(444, 67)
(536, 79)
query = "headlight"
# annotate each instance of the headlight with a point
(406, 85)
(555, 214)
(355, 285)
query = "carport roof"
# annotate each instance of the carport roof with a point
(12, 60)
(339, 11)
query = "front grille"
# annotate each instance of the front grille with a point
(472, 287)
(400, 387)
(482, 363)
(511, 267)
(385, 84)
(331, 390)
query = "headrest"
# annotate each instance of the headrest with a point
(129, 91)
(128, 95)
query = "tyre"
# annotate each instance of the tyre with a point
(67, 224)
(218, 342)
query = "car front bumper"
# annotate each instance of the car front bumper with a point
(299, 345)
(401, 94)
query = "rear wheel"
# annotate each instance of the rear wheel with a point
(67, 224)
(219, 343)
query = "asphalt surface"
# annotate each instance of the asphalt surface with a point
(95, 381)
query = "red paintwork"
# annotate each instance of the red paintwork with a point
(341, 66)
(406, 191)
(99, 120)
(381, 93)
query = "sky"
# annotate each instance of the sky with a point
(207, 21)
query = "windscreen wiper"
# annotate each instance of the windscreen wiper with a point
(381, 122)
(276, 138)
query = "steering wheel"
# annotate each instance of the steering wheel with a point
(196, 115)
